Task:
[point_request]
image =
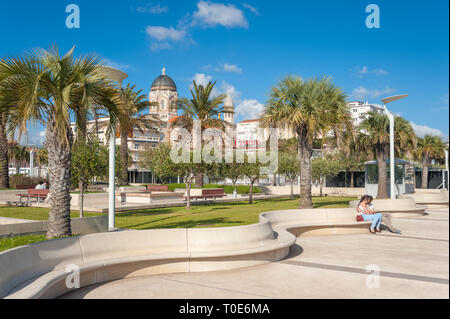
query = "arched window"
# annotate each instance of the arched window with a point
(163, 105)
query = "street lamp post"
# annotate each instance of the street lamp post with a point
(446, 169)
(118, 76)
(391, 138)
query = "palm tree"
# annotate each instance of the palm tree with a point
(43, 86)
(4, 159)
(374, 138)
(428, 148)
(310, 108)
(131, 103)
(21, 155)
(202, 107)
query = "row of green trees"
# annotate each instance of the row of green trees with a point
(44, 86)
(49, 88)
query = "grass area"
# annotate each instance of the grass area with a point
(216, 215)
(34, 213)
(9, 243)
(200, 216)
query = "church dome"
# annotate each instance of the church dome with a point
(163, 82)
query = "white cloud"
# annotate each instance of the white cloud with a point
(201, 78)
(162, 33)
(364, 70)
(153, 9)
(251, 8)
(160, 46)
(229, 68)
(227, 88)
(249, 108)
(210, 14)
(362, 93)
(422, 130)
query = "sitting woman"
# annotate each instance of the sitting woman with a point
(367, 214)
(386, 217)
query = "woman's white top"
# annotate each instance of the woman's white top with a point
(360, 210)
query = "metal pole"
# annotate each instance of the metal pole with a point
(112, 178)
(392, 151)
(392, 155)
(446, 167)
(31, 162)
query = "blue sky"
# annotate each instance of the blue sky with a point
(248, 46)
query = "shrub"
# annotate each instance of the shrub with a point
(15, 180)
(241, 189)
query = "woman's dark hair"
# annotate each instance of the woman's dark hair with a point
(365, 197)
(370, 198)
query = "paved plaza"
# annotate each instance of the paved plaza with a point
(411, 265)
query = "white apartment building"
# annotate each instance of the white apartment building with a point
(359, 110)
(247, 133)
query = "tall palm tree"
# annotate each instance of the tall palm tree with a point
(428, 148)
(310, 108)
(42, 86)
(374, 138)
(203, 107)
(131, 103)
(4, 159)
(21, 155)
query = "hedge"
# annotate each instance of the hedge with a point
(241, 189)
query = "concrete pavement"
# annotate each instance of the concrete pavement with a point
(412, 265)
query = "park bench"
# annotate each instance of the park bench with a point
(25, 186)
(157, 188)
(39, 194)
(208, 193)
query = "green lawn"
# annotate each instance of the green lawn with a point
(33, 213)
(213, 215)
(9, 243)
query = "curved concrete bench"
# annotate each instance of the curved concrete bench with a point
(404, 207)
(39, 270)
(431, 200)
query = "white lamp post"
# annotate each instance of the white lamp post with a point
(391, 138)
(32, 161)
(446, 169)
(117, 76)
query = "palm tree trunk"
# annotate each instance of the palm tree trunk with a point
(381, 155)
(199, 180)
(81, 205)
(352, 179)
(292, 188)
(425, 164)
(4, 160)
(321, 186)
(305, 149)
(59, 164)
(123, 179)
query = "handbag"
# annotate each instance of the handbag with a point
(359, 218)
